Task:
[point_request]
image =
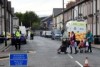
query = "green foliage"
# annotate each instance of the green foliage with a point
(29, 19)
(36, 25)
(20, 16)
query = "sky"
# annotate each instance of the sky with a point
(40, 7)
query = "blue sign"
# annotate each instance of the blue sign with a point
(18, 59)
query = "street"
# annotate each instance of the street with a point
(42, 52)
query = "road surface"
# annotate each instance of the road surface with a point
(42, 52)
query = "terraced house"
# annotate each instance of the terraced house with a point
(86, 10)
(6, 16)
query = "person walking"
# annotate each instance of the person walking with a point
(18, 41)
(31, 35)
(89, 37)
(73, 42)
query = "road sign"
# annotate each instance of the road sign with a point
(18, 60)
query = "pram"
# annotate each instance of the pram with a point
(63, 47)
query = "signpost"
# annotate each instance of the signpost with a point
(18, 60)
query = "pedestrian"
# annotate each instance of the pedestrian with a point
(73, 42)
(40, 33)
(18, 41)
(89, 37)
(31, 35)
(13, 39)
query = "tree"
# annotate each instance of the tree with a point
(20, 16)
(36, 25)
(29, 19)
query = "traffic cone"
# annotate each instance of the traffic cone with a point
(86, 62)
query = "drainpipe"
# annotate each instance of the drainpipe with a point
(78, 13)
(92, 16)
(12, 15)
(73, 13)
(5, 9)
(1, 17)
(63, 18)
(96, 17)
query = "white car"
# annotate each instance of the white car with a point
(23, 30)
(48, 34)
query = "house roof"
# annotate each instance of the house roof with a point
(41, 18)
(47, 18)
(77, 3)
(56, 11)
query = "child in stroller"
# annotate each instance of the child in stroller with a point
(81, 46)
(63, 47)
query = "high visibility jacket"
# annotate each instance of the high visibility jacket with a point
(17, 34)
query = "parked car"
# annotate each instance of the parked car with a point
(56, 34)
(1, 38)
(24, 35)
(48, 34)
(23, 39)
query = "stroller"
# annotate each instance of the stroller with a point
(63, 47)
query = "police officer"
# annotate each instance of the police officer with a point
(18, 35)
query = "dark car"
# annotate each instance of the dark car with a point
(1, 38)
(23, 39)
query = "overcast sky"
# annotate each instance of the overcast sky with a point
(40, 7)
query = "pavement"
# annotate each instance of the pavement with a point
(96, 46)
(2, 48)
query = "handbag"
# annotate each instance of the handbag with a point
(72, 42)
(87, 43)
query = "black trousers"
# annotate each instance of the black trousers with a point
(90, 47)
(18, 44)
(31, 37)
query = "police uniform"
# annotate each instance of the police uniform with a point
(18, 44)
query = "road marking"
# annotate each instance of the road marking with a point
(70, 56)
(32, 52)
(4, 59)
(79, 64)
